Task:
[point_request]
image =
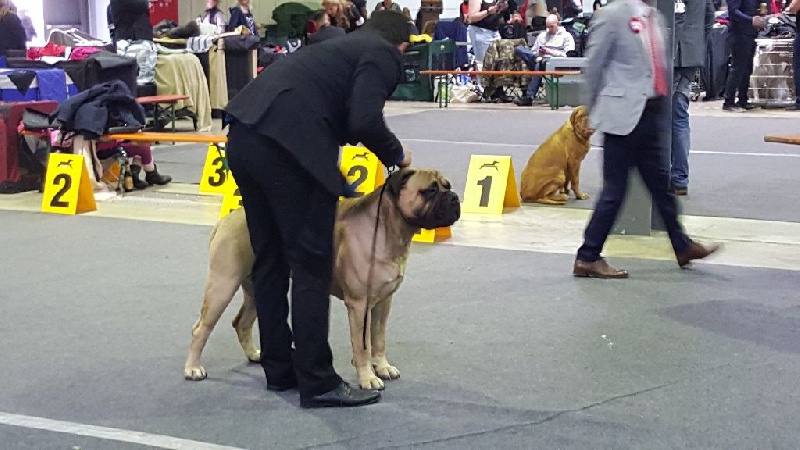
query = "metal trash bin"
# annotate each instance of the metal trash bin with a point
(570, 86)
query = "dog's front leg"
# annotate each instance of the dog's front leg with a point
(573, 178)
(380, 314)
(358, 314)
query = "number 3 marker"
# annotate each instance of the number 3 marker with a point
(215, 171)
(491, 185)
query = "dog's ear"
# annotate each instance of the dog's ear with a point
(398, 179)
(573, 118)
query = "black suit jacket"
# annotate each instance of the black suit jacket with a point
(324, 96)
(325, 33)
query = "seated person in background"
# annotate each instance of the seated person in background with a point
(555, 41)
(388, 4)
(343, 14)
(325, 30)
(411, 25)
(12, 33)
(131, 20)
(142, 157)
(241, 15)
(514, 28)
(213, 16)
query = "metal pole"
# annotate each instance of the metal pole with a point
(638, 216)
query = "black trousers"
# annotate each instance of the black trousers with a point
(291, 218)
(646, 149)
(743, 49)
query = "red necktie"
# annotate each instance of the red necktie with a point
(659, 77)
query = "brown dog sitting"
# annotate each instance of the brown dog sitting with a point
(555, 166)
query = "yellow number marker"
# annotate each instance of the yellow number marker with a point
(491, 185)
(426, 235)
(362, 169)
(67, 189)
(232, 199)
(215, 171)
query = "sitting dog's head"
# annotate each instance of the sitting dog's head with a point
(424, 197)
(579, 119)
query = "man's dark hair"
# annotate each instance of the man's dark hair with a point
(318, 15)
(392, 25)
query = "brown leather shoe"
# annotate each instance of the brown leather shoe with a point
(597, 269)
(695, 251)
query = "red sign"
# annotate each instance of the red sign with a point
(163, 9)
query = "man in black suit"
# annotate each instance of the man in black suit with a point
(325, 30)
(742, 31)
(283, 148)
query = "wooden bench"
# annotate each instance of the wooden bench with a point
(550, 77)
(156, 101)
(793, 139)
(165, 136)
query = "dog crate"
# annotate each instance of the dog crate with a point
(772, 82)
(570, 86)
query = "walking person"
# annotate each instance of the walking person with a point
(794, 8)
(693, 22)
(627, 86)
(288, 175)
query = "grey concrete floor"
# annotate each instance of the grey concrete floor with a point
(497, 349)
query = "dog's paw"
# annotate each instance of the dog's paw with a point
(253, 355)
(194, 373)
(371, 382)
(581, 195)
(387, 372)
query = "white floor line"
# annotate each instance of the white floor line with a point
(109, 434)
(534, 146)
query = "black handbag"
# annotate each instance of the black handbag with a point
(34, 120)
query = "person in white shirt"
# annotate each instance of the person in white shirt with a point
(213, 16)
(556, 41)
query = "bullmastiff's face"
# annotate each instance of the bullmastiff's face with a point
(424, 197)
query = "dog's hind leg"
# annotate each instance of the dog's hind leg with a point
(219, 292)
(244, 320)
(552, 194)
(380, 314)
(357, 312)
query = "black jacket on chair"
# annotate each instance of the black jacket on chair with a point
(91, 113)
(323, 96)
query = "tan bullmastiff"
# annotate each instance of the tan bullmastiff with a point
(413, 199)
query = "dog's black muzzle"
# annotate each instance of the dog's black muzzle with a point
(443, 210)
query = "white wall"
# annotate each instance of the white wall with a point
(98, 23)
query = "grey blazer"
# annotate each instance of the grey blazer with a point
(618, 73)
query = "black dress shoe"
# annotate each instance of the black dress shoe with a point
(343, 395)
(524, 101)
(747, 106)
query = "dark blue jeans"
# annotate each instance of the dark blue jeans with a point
(527, 55)
(680, 126)
(645, 149)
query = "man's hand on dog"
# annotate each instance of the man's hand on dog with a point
(406, 158)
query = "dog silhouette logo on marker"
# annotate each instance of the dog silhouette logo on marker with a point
(492, 165)
(364, 155)
(64, 164)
